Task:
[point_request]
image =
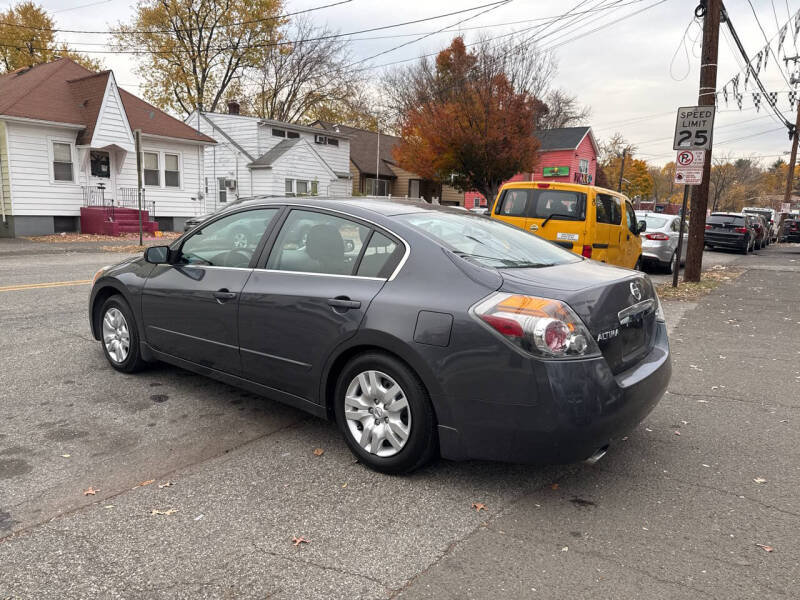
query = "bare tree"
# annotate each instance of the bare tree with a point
(304, 80)
(563, 110)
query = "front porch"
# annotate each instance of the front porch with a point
(115, 214)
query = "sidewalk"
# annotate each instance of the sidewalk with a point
(26, 247)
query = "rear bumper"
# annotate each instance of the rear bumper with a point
(726, 241)
(792, 237)
(577, 408)
(661, 253)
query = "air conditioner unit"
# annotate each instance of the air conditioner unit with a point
(230, 184)
(320, 139)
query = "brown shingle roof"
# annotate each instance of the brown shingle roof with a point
(65, 92)
(364, 148)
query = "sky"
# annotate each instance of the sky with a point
(633, 72)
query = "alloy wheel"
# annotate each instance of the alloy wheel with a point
(377, 413)
(116, 336)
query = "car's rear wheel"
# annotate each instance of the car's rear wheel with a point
(384, 412)
(119, 335)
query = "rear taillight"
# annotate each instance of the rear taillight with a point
(657, 236)
(587, 251)
(741, 230)
(537, 326)
(708, 226)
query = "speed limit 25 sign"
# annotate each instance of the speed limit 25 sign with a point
(693, 128)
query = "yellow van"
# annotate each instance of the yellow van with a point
(591, 221)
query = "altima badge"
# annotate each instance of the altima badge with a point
(607, 335)
(636, 290)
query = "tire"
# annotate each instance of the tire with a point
(376, 372)
(638, 265)
(669, 267)
(116, 319)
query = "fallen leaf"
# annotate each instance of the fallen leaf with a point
(554, 486)
(565, 549)
(765, 548)
(165, 484)
(169, 511)
(90, 492)
(344, 485)
(65, 455)
(198, 517)
(299, 540)
(479, 506)
(318, 451)
(109, 506)
(760, 480)
(677, 433)
(148, 482)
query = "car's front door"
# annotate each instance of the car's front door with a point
(321, 274)
(189, 308)
(630, 243)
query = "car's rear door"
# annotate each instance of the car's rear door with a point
(630, 243)
(310, 295)
(189, 308)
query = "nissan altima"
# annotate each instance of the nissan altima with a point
(420, 330)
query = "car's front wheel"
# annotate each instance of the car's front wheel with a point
(671, 266)
(119, 336)
(384, 412)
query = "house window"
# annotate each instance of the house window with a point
(333, 142)
(62, 161)
(288, 186)
(100, 163)
(279, 132)
(583, 166)
(152, 175)
(172, 171)
(300, 187)
(376, 187)
(413, 188)
(223, 191)
(292, 134)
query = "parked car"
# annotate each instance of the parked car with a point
(771, 218)
(730, 230)
(591, 221)
(791, 229)
(437, 331)
(193, 222)
(480, 210)
(660, 242)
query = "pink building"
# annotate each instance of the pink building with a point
(568, 154)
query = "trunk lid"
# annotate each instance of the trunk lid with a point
(617, 305)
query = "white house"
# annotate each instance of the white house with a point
(256, 156)
(67, 151)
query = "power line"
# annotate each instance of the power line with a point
(769, 42)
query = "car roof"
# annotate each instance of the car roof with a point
(388, 207)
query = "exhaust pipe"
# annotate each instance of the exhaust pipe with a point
(598, 454)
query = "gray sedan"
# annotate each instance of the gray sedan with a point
(420, 330)
(660, 242)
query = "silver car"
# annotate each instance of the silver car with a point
(660, 240)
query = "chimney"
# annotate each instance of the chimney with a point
(233, 107)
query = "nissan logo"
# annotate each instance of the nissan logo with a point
(636, 290)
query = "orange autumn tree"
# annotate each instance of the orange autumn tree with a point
(470, 128)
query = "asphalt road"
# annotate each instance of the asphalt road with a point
(673, 512)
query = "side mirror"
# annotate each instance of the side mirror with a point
(157, 255)
(642, 226)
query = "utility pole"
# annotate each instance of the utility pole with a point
(710, 10)
(787, 197)
(622, 168)
(378, 161)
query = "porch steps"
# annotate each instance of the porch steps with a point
(102, 220)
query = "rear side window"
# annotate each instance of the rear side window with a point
(513, 203)
(380, 256)
(608, 209)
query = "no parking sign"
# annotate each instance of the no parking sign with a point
(689, 167)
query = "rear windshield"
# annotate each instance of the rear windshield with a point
(561, 205)
(487, 242)
(726, 220)
(655, 222)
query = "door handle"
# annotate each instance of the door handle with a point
(343, 302)
(224, 295)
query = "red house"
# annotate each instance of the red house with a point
(567, 154)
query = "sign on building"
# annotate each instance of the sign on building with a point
(555, 172)
(689, 167)
(694, 128)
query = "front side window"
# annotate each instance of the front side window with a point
(152, 175)
(228, 242)
(488, 242)
(100, 163)
(633, 226)
(312, 242)
(62, 161)
(172, 171)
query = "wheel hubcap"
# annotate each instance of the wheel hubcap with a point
(377, 412)
(116, 336)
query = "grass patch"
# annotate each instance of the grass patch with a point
(709, 281)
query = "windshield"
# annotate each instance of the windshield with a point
(488, 242)
(654, 222)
